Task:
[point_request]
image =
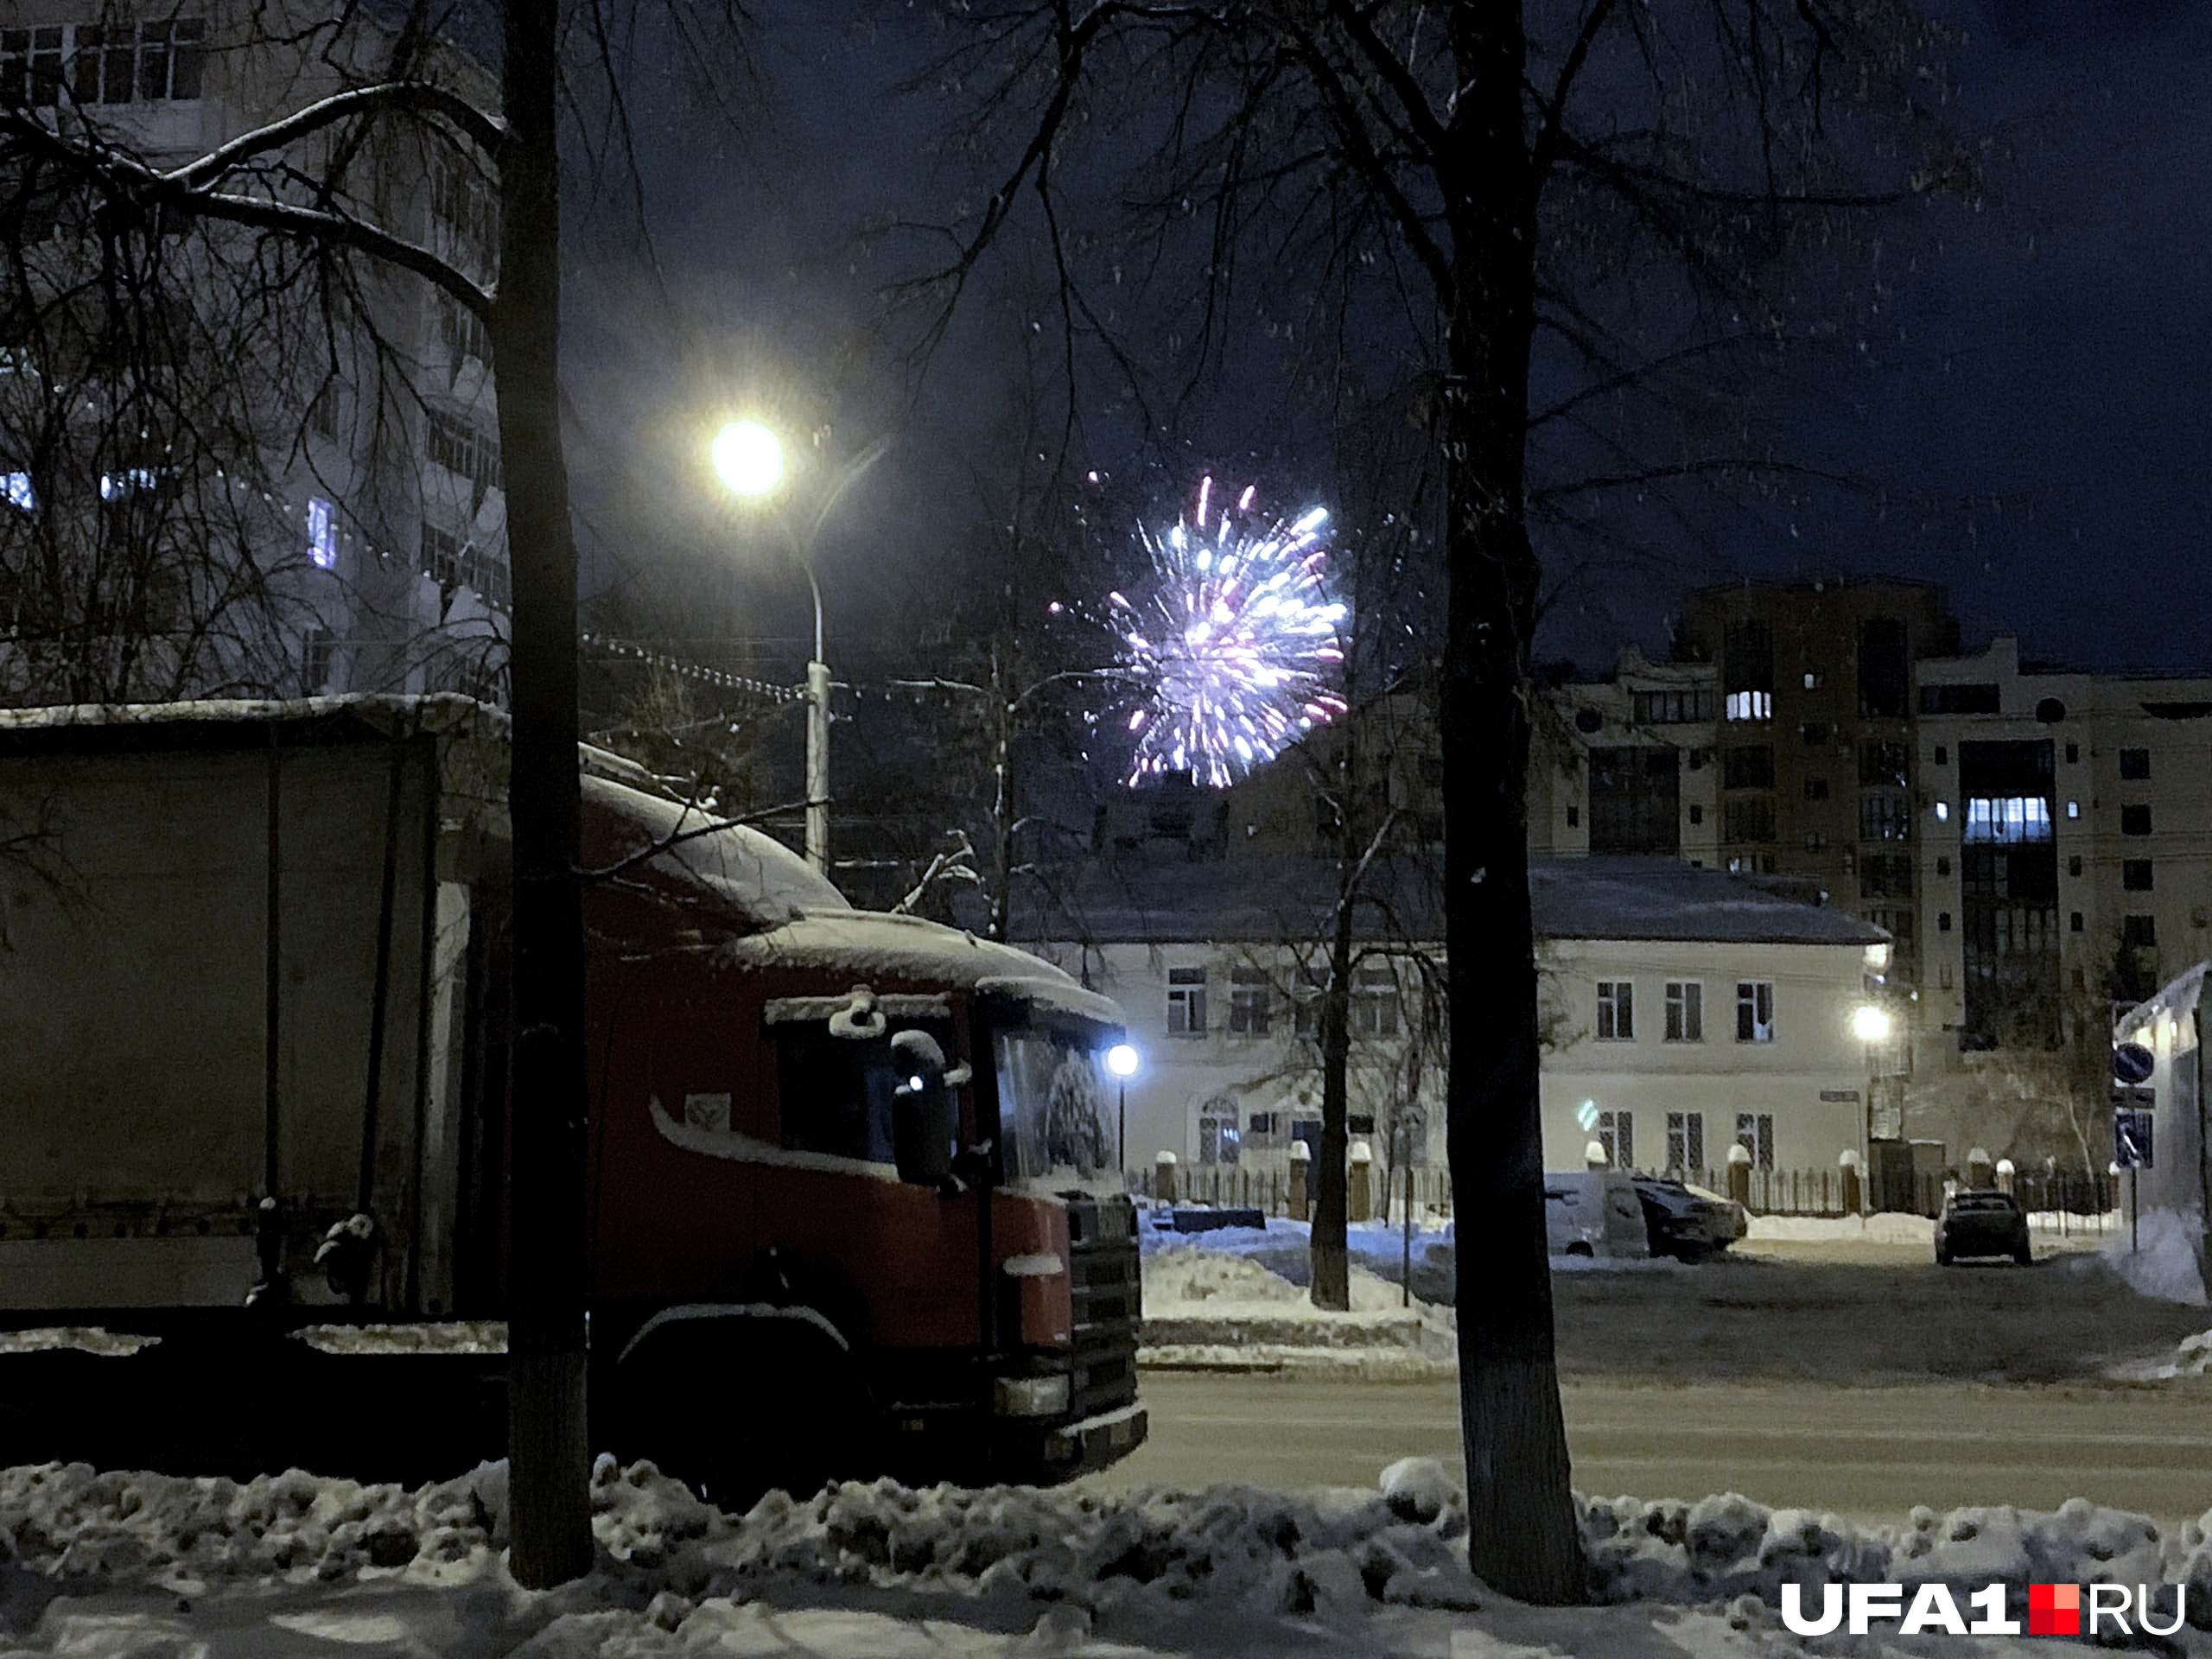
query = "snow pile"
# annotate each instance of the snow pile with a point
(453, 1337)
(1887, 1228)
(87, 1338)
(2192, 1356)
(2158, 1258)
(1205, 1310)
(1727, 1547)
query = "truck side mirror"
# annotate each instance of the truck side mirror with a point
(922, 1117)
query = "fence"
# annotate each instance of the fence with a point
(2065, 1203)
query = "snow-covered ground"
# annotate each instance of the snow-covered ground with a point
(1216, 1310)
(149, 1567)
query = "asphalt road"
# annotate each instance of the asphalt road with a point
(1869, 1454)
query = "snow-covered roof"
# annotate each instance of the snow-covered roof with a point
(437, 711)
(758, 880)
(870, 946)
(1255, 900)
(1622, 898)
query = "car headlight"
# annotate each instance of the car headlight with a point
(1031, 1396)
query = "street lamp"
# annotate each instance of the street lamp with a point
(1122, 1061)
(749, 459)
(1870, 1023)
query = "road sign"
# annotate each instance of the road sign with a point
(2130, 1140)
(2133, 1063)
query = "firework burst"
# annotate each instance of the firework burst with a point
(1236, 642)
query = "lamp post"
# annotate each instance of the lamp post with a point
(1122, 1061)
(1870, 1023)
(749, 458)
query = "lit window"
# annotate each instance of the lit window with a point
(115, 486)
(1750, 705)
(2006, 819)
(16, 491)
(2072, 809)
(1217, 1137)
(1942, 811)
(322, 533)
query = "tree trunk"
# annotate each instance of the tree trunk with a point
(1522, 1537)
(1332, 1265)
(548, 1489)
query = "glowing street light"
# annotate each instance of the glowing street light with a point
(749, 458)
(1870, 1024)
(1122, 1061)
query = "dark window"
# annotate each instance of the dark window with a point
(1359, 1122)
(1883, 669)
(1251, 1001)
(1588, 721)
(1958, 700)
(1883, 816)
(1749, 818)
(30, 66)
(2138, 932)
(2135, 764)
(1616, 1011)
(1573, 817)
(1697, 815)
(1942, 755)
(2074, 865)
(1814, 733)
(1943, 922)
(1754, 1134)
(460, 449)
(2049, 710)
(1675, 708)
(1186, 1001)
(2073, 752)
(1748, 767)
(2073, 922)
(1748, 657)
(1635, 800)
(1684, 1011)
(2134, 820)
(1684, 1142)
(1816, 789)
(1616, 1133)
(1886, 875)
(1881, 763)
(2135, 875)
(1943, 866)
(1754, 1010)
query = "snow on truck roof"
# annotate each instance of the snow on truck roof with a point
(761, 882)
(874, 944)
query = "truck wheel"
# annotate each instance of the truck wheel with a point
(737, 1412)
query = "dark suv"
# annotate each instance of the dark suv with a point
(1981, 1221)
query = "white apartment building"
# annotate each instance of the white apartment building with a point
(2065, 845)
(1684, 1011)
(359, 471)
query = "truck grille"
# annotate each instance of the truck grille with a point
(1106, 1289)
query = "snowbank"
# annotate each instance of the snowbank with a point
(1885, 1229)
(1233, 1569)
(1207, 1310)
(2159, 1257)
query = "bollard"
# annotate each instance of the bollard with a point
(1593, 1155)
(2004, 1174)
(1854, 1190)
(1360, 1192)
(1740, 1174)
(1300, 1156)
(1163, 1177)
(1978, 1168)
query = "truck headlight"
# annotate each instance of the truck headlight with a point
(1031, 1396)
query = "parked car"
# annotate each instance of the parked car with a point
(1686, 1222)
(1981, 1221)
(1594, 1212)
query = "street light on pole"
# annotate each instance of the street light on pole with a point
(1122, 1061)
(1870, 1024)
(749, 459)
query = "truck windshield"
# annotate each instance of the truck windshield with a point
(1054, 1108)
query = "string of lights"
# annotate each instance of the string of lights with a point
(632, 651)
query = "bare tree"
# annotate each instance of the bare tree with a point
(1428, 176)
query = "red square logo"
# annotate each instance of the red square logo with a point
(2054, 1609)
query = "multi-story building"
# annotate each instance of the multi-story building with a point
(2065, 844)
(1628, 765)
(251, 471)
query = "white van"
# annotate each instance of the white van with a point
(1594, 1212)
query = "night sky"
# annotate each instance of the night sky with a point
(2029, 413)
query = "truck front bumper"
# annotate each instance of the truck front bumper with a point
(1077, 1448)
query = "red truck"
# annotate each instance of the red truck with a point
(851, 1209)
